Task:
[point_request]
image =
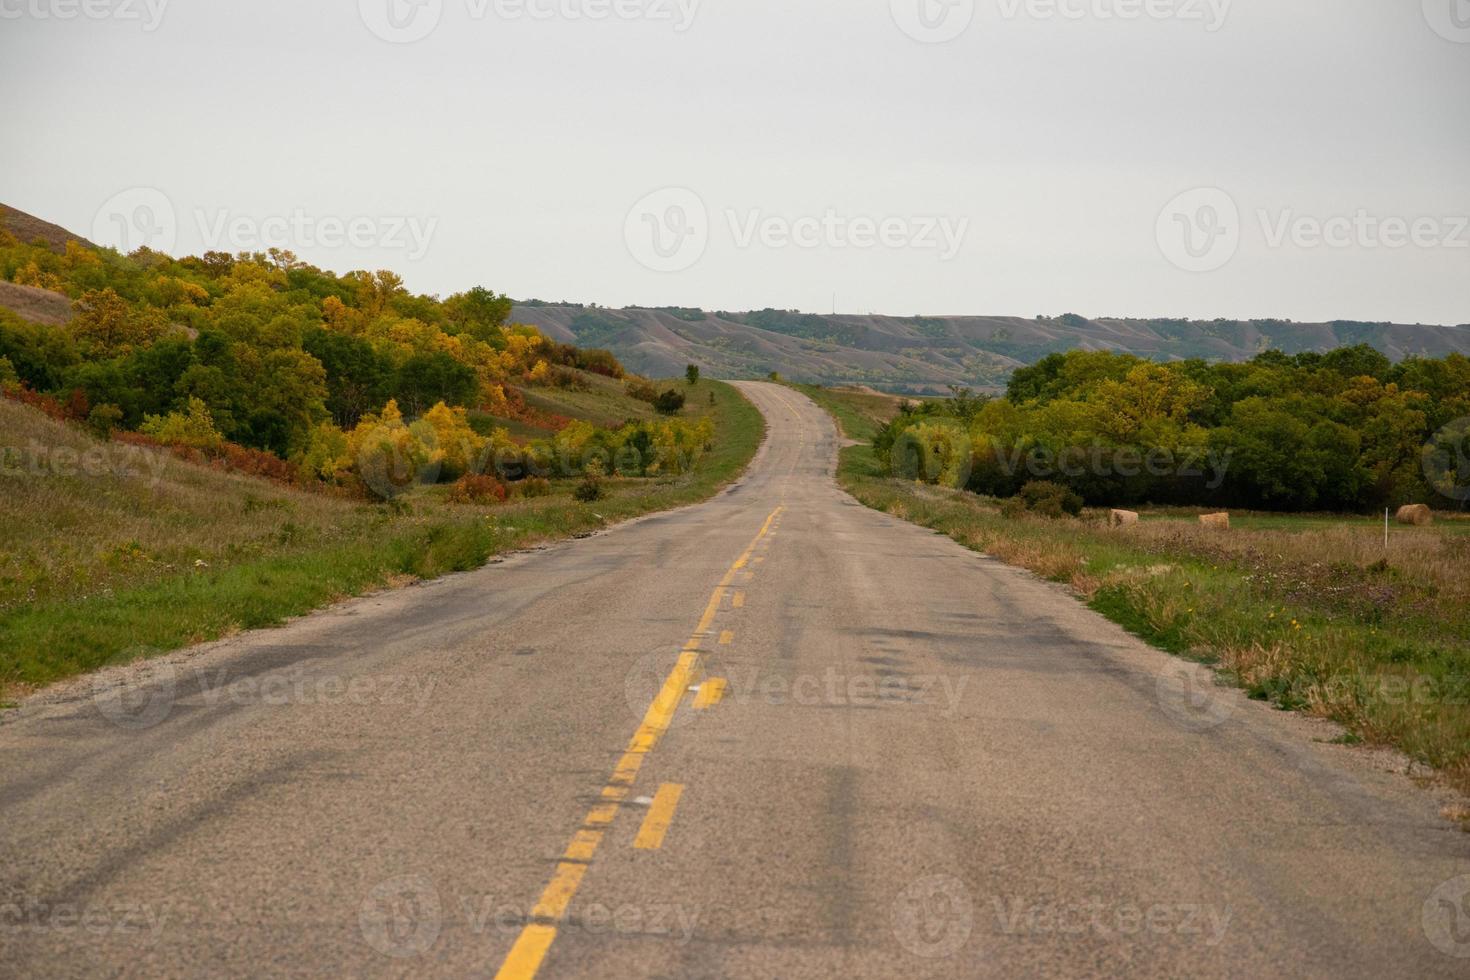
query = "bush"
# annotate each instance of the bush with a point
(103, 419)
(590, 488)
(475, 489)
(641, 389)
(534, 486)
(669, 402)
(1050, 499)
(194, 428)
(567, 378)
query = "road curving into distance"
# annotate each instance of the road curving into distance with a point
(774, 734)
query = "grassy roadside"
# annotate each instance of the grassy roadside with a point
(104, 567)
(1311, 614)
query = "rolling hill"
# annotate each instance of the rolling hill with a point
(922, 355)
(907, 355)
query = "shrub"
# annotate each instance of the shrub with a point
(1050, 499)
(590, 488)
(565, 377)
(475, 489)
(691, 374)
(103, 419)
(641, 389)
(669, 402)
(534, 486)
(194, 428)
(600, 362)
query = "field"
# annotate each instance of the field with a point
(1310, 612)
(109, 552)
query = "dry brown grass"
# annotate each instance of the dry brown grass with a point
(35, 304)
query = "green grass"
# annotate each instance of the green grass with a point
(1308, 612)
(99, 569)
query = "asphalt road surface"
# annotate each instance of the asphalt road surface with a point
(773, 735)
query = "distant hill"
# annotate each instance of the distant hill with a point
(922, 354)
(28, 228)
(909, 355)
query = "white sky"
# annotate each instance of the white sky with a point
(522, 144)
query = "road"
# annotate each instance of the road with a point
(776, 734)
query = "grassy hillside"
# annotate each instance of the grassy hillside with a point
(1310, 612)
(109, 551)
(925, 354)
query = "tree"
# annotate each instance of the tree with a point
(691, 374)
(424, 379)
(669, 402)
(107, 324)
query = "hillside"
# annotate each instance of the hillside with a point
(29, 229)
(924, 355)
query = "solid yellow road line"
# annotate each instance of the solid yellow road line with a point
(710, 693)
(530, 948)
(660, 815)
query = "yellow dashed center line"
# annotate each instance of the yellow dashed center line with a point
(531, 946)
(660, 815)
(738, 600)
(726, 637)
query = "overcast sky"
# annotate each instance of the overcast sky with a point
(1307, 159)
